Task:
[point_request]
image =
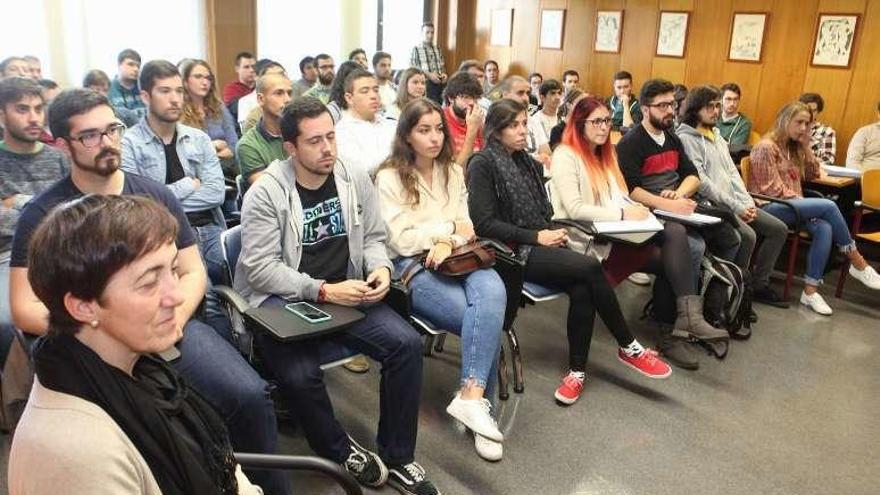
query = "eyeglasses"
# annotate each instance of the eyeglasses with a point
(93, 139)
(664, 105)
(599, 122)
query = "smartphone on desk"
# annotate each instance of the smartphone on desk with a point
(307, 312)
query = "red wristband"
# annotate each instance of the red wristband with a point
(322, 293)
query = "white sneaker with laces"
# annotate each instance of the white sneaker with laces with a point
(815, 302)
(488, 449)
(868, 276)
(639, 278)
(475, 414)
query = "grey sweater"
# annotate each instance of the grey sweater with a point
(720, 181)
(272, 224)
(25, 176)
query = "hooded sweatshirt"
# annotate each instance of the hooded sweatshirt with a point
(720, 181)
(272, 228)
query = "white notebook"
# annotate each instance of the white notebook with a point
(650, 224)
(835, 171)
(693, 218)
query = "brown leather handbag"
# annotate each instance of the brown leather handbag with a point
(462, 261)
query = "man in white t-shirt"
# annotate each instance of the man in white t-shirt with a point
(363, 135)
(547, 117)
(382, 71)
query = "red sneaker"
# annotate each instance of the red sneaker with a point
(646, 363)
(570, 390)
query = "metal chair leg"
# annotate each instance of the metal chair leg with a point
(792, 258)
(428, 348)
(841, 279)
(441, 339)
(516, 354)
(503, 383)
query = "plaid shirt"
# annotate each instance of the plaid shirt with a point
(823, 142)
(774, 174)
(428, 58)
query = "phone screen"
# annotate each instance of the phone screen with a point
(307, 311)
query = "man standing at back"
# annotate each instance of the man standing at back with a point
(382, 70)
(124, 94)
(364, 136)
(427, 56)
(247, 74)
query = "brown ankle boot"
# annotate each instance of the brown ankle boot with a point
(690, 321)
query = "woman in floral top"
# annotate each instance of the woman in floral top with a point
(780, 162)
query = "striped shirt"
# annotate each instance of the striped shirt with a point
(427, 57)
(823, 142)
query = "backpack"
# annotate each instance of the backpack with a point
(727, 296)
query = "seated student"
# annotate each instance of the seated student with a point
(308, 76)
(864, 148)
(412, 86)
(587, 186)
(326, 73)
(364, 137)
(87, 130)
(359, 56)
(14, 67)
(507, 202)
(261, 145)
(721, 183)
(625, 110)
(823, 139)
(124, 93)
(569, 101)
(27, 168)
(535, 82)
(387, 88)
(203, 110)
(779, 163)
(551, 97)
(249, 111)
(244, 83)
(735, 127)
(312, 232)
(681, 92)
(463, 115)
(493, 79)
(571, 81)
(423, 200)
(105, 414)
(517, 88)
(336, 104)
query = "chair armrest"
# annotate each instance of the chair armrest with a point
(864, 206)
(230, 296)
(503, 252)
(301, 463)
(585, 227)
(789, 204)
(812, 193)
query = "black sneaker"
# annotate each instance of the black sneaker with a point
(766, 295)
(365, 466)
(410, 480)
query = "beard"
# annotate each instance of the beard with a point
(21, 135)
(459, 111)
(325, 79)
(169, 116)
(663, 124)
(105, 163)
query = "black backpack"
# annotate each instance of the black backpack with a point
(727, 297)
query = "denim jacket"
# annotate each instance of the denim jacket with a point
(143, 153)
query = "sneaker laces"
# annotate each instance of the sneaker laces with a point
(571, 377)
(415, 471)
(356, 461)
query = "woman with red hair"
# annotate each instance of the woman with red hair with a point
(587, 185)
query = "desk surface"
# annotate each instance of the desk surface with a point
(834, 181)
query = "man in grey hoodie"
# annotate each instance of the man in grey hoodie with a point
(311, 231)
(720, 183)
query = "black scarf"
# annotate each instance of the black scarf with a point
(519, 188)
(176, 431)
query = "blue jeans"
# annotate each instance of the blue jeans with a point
(471, 307)
(221, 375)
(382, 335)
(823, 220)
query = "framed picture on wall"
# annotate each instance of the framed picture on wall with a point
(835, 40)
(672, 34)
(747, 36)
(502, 25)
(552, 26)
(609, 27)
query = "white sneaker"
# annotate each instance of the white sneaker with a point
(639, 278)
(475, 415)
(815, 302)
(868, 276)
(487, 449)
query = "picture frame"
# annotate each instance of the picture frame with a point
(609, 31)
(672, 31)
(502, 27)
(552, 28)
(835, 40)
(748, 31)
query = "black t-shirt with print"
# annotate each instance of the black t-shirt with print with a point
(324, 237)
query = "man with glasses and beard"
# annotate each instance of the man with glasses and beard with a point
(87, 130)
(27, 168)
(660, 175)
(324, 64)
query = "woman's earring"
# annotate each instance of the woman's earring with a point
(94, 323)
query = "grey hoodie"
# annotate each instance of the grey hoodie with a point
(720, 181)
(272, 224)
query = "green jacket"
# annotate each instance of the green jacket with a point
(736, 130)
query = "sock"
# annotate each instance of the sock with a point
(633, 349)
(578, 374)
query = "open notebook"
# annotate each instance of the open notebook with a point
(650, 224)
(692, 219)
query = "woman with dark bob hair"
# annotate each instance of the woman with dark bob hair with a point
(508, 202)
(423, 201)
(106, 415)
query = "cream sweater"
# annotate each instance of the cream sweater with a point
(413, 229)
(864, 149)
(572, 198)
(65, 444)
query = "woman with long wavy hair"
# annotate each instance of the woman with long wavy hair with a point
(203, 110)
(779, 162)
(412, 86)
(423, 200)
